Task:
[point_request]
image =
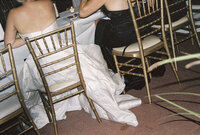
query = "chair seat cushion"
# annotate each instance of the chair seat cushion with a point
(195, 6)
(58, 86)
(9, 106)
(174, 24)
(147, 43)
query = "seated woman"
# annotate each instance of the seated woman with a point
(35, 17)
(116, 32)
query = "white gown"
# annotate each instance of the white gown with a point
(103, 87)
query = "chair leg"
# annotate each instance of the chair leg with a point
(145, 76)
(117, 67)
(54, 120)
(147, 63)
(147, 85)
(93, 108)
(21, 124)
(191, 31)
(175, 72)
(45, 106)
(36, 130)
(174, 43)
(33, 124)
(197, 39)
(55, 126)
(27, 118)
(172, 64)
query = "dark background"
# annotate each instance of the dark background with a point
(6, 5)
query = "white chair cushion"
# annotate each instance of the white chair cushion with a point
(147, 43)
(195, 6)
(9, 106)
(58, 86)
(174, 24)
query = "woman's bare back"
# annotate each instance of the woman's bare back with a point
(33, 16)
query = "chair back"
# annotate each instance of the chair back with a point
(182, 9)
(144, 16)
(56, 57)
(11, 100)
(176, 8)
(9, 85)
(54, 52)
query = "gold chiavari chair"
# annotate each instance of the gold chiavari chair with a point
(148, 43)
(186, 23)
(49, 46)
(12, 107)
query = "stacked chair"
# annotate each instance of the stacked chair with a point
(179, 20)
(148, 43)
(62, 39)
(13, 111)
(184, 23)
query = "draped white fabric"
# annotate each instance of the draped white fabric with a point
(103, 87)
(1, 32)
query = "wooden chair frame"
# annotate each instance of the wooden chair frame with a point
(143, 53)
(21, 115)
(49, 102)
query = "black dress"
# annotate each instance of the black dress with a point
(116, 32)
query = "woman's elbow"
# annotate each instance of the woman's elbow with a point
(83, 13)
(6, 41)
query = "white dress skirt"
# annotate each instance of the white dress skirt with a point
(102, 85)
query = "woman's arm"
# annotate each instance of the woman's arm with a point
(11, 32)
(87, 7)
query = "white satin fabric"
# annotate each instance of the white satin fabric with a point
(1, 33)
(103, 87)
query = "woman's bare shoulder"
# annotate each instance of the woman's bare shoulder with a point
(13, 12)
